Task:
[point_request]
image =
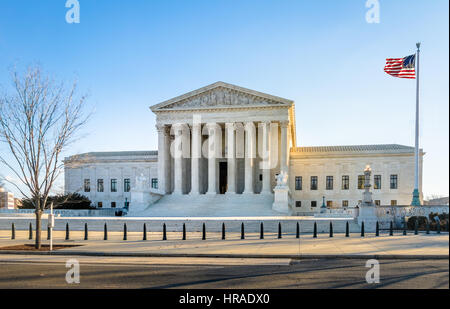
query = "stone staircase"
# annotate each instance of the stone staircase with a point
(218, 205)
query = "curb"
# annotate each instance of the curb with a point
(207, 255)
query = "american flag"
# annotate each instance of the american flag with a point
(401, 67)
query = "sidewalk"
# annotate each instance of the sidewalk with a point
(384, 246)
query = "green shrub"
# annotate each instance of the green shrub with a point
(66, 201)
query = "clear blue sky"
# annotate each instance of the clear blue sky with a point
(322, 54)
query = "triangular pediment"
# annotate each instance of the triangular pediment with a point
(221, 95)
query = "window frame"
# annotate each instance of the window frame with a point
(298, 183)
(126, 185)
(393, 181)
(113, 184)
(314, 185)
(345, 182)
(328, 182)
(87, 185)
(100, 185)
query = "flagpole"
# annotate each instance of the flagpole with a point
(416, 194)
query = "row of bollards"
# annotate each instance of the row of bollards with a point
(261, 234)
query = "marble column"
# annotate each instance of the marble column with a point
(195, 158)
(231, 158)
(266, 183)
(163, 158)
(284, 146)
(178, 159)
(212, 158)
(250, 147)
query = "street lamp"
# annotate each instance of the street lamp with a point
(323, 208)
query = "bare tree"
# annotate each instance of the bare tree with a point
(38, 119)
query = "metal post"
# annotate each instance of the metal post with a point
(347, 230)
(377, 232)
(242, 231)
(279, 230)
(164, 232)
(144, 232)
(13, 231)
(362, 229)
(297, 232)
(86, 236)
(203, 232)
(184, 231)
(416, 195)
(315, 230)
(331, 229)
(223, 230)
(261, 231)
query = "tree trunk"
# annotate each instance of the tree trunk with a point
(38, 229)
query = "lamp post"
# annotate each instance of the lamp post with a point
(323, 208)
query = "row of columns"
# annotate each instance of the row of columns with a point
(164, 158)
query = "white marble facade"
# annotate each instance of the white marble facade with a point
(213, 141)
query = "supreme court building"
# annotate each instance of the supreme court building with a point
(222, 150)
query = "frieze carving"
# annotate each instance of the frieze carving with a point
(223, 97)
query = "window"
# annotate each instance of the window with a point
(345, 203)
(87, 185)
(313, 203)
(298, 204)
(329, 185)
(113, 185)
(345, 182)
(313, 182)
(298, 182)
(329, 204)
(113, 204)
(360, 181)
(99, 185)
(393, 202)
(377, 202)
(99, 204)
(155, 183)
(126, 185)
(394, 181)
(377, 182)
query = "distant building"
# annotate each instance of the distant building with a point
(6, 199)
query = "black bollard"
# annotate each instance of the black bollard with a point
(223, 230)
(315, 230)
(279, 230)
(242, 231)
(105, 232)
(428, 227)
(391, 229)
(416, 227)
(377, 229)
(297, 231)
(261, 231)
(446, 226)
(86, 236)
(164, 232)
(203, 232)
(362, 229)
(331, 229)
(184, 231)
(347, 230)
(48, 232)
(144, 232)
(13, 231)
(438, 227)
(30, 231)
(67, 231)
(404, 229)
(125, 231)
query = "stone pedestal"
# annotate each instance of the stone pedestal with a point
(281, 200)
(369, 216)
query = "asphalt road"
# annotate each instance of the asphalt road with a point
(290, 274)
